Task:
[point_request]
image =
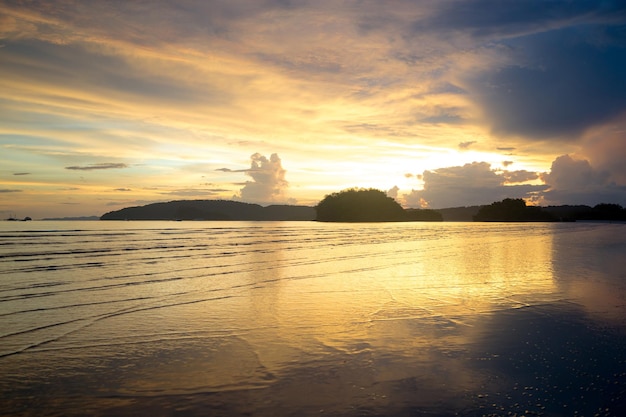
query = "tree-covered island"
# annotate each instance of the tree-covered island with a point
(513, 210)
(368, 205)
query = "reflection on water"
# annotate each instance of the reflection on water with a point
(301, 319)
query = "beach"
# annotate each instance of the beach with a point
(306, 318)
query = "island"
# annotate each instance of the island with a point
(516, 210)
(368, 205)
(513, 210)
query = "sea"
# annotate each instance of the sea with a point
(143, 318)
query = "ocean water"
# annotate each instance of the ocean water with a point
(310, 319)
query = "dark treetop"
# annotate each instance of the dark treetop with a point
(367, 205)
(512, 210)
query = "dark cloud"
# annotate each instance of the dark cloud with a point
(268, 180)
(9, 191)
(488, 18)
(507, 163)
(575, 181)
(560, 63)
(568, 173)
(92, 167)
(467, 185)
(558, 84)
(466, 145)
(21, 173)
(505, 149)
(449, 119)
(123, 189)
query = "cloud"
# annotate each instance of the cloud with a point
(511, 177)
(92, 167)
(123, 189)
(568, 173)
(132, 203)
(507, 163)
(485, 19)
(193, 192)
(466, 145)
(393, 192)
(606, 150)
(10, 191)
(21, 173)
(268, 183)
(563, 71)
(470, 184)
(575, 181)
(570, 181)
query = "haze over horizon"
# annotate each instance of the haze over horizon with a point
(113, 104)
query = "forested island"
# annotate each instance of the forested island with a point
(365, 205)
(368, 205)
(513, 210)
(516, 210)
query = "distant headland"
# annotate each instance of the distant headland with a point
(212, 210)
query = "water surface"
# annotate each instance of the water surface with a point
(301, 319)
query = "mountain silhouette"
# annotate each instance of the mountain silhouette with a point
(211, 210)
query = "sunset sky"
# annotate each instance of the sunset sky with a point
(110, 104)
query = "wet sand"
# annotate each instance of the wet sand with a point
(471, 322)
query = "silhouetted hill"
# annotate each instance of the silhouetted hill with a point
(211, 210)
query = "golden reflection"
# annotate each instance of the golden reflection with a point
(404, 297)
(385, 299)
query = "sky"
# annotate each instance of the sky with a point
(111, 104)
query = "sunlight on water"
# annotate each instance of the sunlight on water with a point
(307, 318)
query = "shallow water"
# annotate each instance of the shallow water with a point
(300, 319)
